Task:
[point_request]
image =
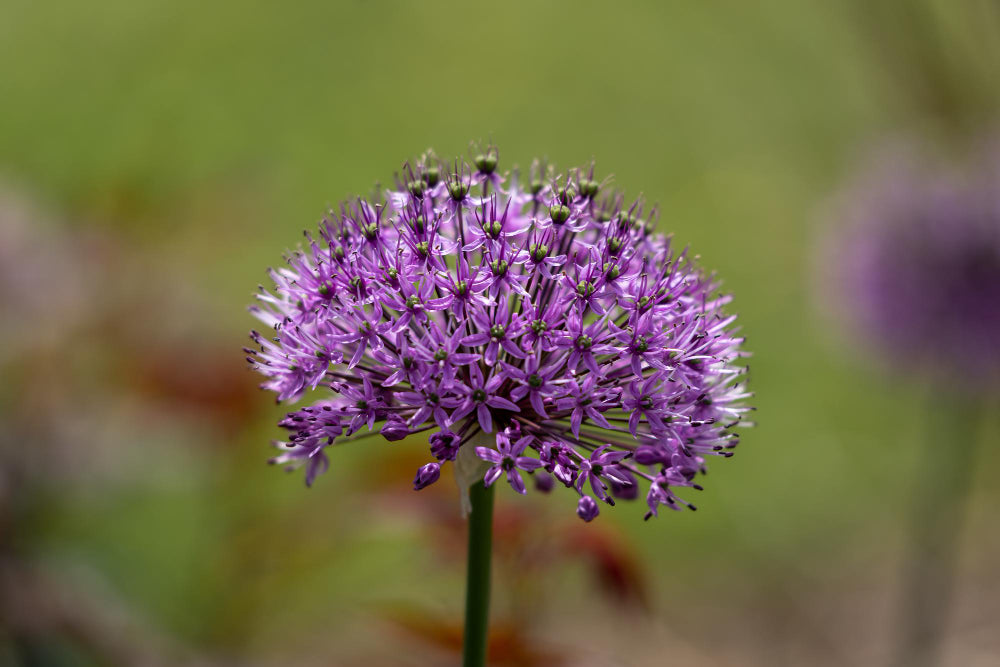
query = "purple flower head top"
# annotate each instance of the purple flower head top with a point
(539, 330)
(914, 260)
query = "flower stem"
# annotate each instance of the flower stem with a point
(939, 507)
(477, 591)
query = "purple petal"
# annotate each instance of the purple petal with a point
(317, 465)
(528, 463)
(514, 477)
(461, 411)
(485, 420)
(421, 416)
(573, 362)
(591, 363)
(598, 417)
(521, 445)
(359, 352)
(537, 404)
(512, 349)
(503, 403)
(476, 339)
(575, 421)
(491, 353)
(633, 422)
(492, 475)
(487, 454)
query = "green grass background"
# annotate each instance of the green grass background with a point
(205, 136)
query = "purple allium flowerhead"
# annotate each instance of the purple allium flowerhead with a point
(539, 329)
(914, 258)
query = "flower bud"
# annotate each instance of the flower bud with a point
(587, 509)
(394, 429)
(444, 445)
(426, 475)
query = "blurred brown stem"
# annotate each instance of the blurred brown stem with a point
(939, 506)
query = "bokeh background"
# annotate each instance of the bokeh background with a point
(156, 156)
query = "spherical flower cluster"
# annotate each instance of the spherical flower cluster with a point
(915, 260)
(540, 331)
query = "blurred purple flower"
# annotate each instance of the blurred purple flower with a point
(915, 263)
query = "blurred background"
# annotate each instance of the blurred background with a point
(157, 156)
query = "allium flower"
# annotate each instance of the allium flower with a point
(915, 262)
(506, 458)
(546, 331)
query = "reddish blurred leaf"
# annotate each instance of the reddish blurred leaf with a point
(210, 383)
(509, 643)
(613, 561)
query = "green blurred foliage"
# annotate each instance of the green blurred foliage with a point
(203, 137)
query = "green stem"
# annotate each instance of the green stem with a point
(477, 591)
(939, 506)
